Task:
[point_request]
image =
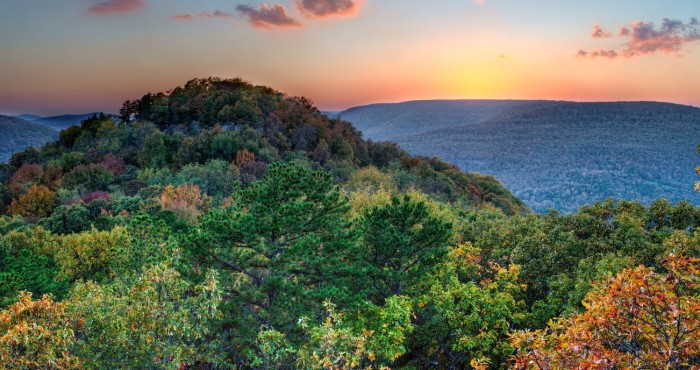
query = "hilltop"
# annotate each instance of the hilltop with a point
(552, 154)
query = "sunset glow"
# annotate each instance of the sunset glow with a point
(88, 55)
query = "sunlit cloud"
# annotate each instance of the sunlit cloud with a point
(670, 37)
(106, 7)
(268, 17)
(202, 15)
(184, 17)
(216, 14)
(599, 33)
(327, 8)
(610, 54)
(645, 38)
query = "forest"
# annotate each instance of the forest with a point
(552, 154)
(226, 225)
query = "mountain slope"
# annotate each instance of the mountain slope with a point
(382, 121)
(555, 154)
(64, 121)
(17, 134)
(29, 117)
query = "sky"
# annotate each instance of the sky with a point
(76, 56)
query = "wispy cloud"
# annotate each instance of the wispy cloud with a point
(268, 17)
(327, 8)
(202, 15)
(599, 33)
(184, 17)
(610, 54)
(106, 7)
(216, 14)
(645, 38)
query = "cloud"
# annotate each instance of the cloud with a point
(203, 15)
(610, 54)
(327, 8)
(184, 17)
(106, 7)
(599, 33)
(268, 17)
(216, 14)
(480, 2)
(503, 57)
(669, 38)
(645, 38)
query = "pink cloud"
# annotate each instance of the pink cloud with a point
(599, 33)
(645, 38)
(669, 38)
(216, 14)
(268, 17)
(184, 17)
(203, 15)
(327, 8)
(106, 7)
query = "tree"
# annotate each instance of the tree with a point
(27, 264)
(67, 219)
(641, 319)
(94, 255)
(281, 246)
(38, 202)
(36, 335)
(464, 316)
(157, 321)
(187, 201)
(402, 241)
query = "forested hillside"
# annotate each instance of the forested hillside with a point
(63, 121)
(552, 155)
(17, 134)
(231, 226)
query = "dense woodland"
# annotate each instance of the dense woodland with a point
(552, 154)
(226, 225)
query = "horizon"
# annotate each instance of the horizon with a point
(381, 103)
(92, 55)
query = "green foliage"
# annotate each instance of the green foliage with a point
(241, 228)
(67, 219)
(158, 321)
(27, 264)
(93, 255)
(281, 245)
(401, 242)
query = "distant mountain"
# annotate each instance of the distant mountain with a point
(29, 117)
(17, 134)
(61, 122)
(552, 154)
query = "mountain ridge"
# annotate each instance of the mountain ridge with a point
(543, 150)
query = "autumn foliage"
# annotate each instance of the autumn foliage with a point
(38, 202)
(36, 334)
(641, 319)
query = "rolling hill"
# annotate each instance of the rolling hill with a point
(17, 134)
(552, 154)
(64, 121)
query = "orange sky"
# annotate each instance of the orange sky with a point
(90, 55)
